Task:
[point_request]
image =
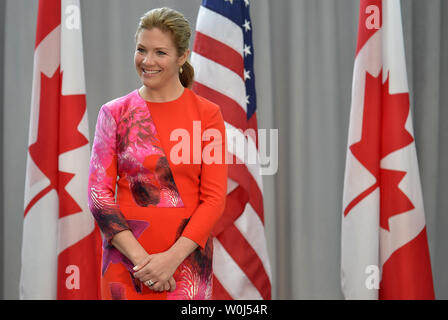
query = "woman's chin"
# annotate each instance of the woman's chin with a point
(150, 83)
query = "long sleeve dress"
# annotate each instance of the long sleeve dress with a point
(166, 188)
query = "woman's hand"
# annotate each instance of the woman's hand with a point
(128, 245)
(159, 269)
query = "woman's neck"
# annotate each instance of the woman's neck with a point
(163, 95)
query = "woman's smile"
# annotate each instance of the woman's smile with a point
(150, 72)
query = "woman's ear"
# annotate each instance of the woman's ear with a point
(183, 58)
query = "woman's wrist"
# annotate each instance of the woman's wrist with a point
(128, 245)
(181, 249)
(140, 258)
(177, 255)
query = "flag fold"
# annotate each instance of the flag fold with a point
(385, 252)
(60, 238)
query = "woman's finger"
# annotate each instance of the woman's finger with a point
(158, 287)
(172, 284)
(146, 275)
(141, 264)
(149, 284)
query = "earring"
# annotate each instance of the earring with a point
(181, 70)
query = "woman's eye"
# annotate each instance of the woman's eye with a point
(141, 50)
(161, 53)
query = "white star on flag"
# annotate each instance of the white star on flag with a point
(246, 74)
(231, 1)
(246, 50)
(241, 267)
(246, 25)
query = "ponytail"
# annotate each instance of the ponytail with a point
(187, 75)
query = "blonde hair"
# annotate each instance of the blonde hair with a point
(169, 20)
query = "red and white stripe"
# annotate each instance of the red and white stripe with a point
(240, 262)
(59, 257)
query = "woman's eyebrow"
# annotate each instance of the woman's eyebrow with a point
(157, 48)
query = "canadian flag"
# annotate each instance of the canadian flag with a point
(60, 239)
(384, 246)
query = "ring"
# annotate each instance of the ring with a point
(149, 283)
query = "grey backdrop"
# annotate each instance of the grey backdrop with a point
(304, 54)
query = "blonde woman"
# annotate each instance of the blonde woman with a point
(157, 226)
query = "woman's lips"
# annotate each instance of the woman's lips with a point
(150, 73)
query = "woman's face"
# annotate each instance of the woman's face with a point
(156, 59)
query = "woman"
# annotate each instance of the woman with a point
(157, 241)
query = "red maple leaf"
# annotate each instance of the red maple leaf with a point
(393, 201)
(367, 150)
(395, 112)
(71, 111)
(383, 132)
(59, 117)
(44, 151)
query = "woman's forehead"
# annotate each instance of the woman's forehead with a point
(156, 38)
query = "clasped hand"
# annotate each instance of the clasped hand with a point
(158, 268)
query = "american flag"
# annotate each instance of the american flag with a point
(223, 58)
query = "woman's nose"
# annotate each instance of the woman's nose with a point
(148, 60)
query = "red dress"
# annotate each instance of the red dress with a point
(166, 189)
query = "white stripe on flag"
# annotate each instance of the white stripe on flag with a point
(394, 61)
(250, 225)
(72, 56)
(245, 150)
(360, 247)
(230, 275)
(220, 28)
(39, 250)
(231, 185)
(219, 78)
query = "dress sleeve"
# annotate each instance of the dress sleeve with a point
(213, 182)
(103, 177)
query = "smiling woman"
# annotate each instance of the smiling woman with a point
(158, 65)
(157, 233)
(166, 34)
